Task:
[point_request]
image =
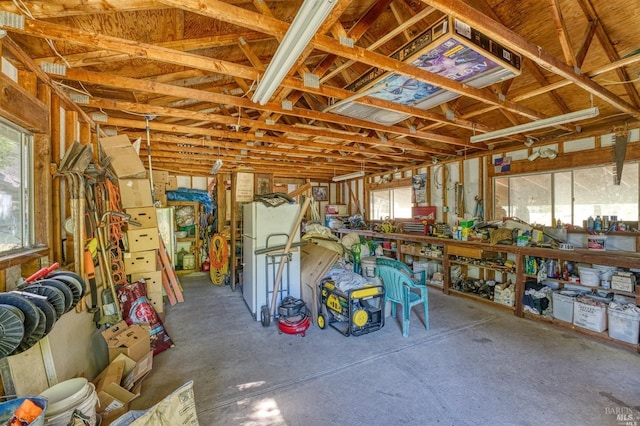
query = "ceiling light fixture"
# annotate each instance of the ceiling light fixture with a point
(304, 26)
(538, 124)
(99, 117)
(11, 20)
(348, 176)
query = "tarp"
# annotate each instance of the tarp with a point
(188, 194)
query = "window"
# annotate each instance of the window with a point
(392, 203)
(15, 196)
(570, 196)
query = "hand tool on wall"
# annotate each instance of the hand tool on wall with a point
(90, 270)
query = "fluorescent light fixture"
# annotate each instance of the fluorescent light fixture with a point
(11, 20)
(53, 68)
(300, 32)
(79, 98)
(538, 124)
(99, 117)
(349, 176)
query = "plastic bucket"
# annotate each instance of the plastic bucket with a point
(7, 408)
(86, 405)
(189, 261)
(596, 242)
(589, 276)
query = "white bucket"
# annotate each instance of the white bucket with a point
(589, 276)
(606, 273)
(86, 405)
(596, 242)
(188, 261)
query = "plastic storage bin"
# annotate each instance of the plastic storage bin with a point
(590, 314)
(624, 325)
(563, 305)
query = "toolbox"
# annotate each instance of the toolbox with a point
(353, 312)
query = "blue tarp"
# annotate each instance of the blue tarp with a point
(188, 194)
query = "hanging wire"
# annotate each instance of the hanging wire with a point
(24, 9)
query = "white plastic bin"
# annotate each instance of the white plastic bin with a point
(624, 325)
(592, 316)
(563, 305)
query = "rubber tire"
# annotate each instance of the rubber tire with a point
(322, 321)
(265, 316)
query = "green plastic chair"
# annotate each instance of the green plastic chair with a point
(397, 290)
(419, 278)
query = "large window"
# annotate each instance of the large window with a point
(392, 203)
(15, 198)
(570, 196)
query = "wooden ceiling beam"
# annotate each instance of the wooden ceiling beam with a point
(558, 85)
(610, 50)
(587, 38)
(563, 34)
(193, 153)
(225, 134)
(226, 144)
(237, 16)
(135, 49)
(542, 80)
(512, 40)
(47, 9)
(102, 57)
(228, 121)
(109, 80)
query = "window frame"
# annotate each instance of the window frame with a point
(27, 193)
(553, 174)
(391, 198)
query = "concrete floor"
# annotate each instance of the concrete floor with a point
(478, 365)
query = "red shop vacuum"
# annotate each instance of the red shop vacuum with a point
(293, 316)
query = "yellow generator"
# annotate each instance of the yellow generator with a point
(353, 312)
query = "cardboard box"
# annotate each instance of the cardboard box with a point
(162, 199)
(172, 183)
(159, 189)
(140, 261)
(143, 239)
(152, 280)
(133, 341)
(156, 300)
(504, 296)
(145, 216)
(125, 161)
(119, 384)
(160, 176)
(135, 193)
(139, 371)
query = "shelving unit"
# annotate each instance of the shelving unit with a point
(454, 252)
(478, 264)
(192, 240)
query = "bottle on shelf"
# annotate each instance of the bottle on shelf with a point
(590, 223)
(597, 224)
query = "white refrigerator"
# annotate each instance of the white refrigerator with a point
(264, 225)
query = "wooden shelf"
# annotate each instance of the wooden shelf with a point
(482, 249)
(588, 287)
(488, 267)
(604, 336)
(480, 299)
